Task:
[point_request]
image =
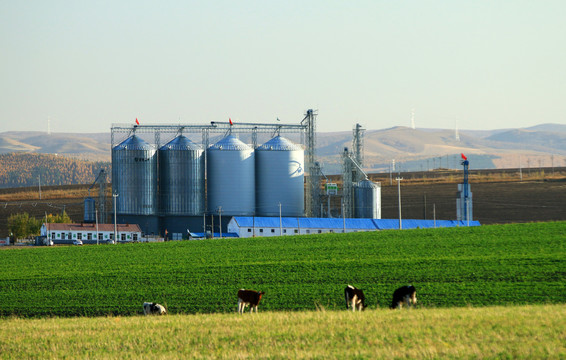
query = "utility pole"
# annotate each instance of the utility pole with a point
(281, 222)
(434, 214)
(468, 211)
(115, 195)
(343, 218)
(399, 192)
(96, 217)
(220, 220)
(47, 230)
(520, 169)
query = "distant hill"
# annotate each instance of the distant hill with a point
(411, 149)
(426, 149)
(548, 127)
(541, 140)
(84, 146)
(29, 169)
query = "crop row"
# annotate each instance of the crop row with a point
(489, 265)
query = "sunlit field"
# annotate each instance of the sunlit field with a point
(514, 332)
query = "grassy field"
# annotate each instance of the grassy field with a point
(514, 332)
(456, 267)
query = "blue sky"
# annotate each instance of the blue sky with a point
(471, 64)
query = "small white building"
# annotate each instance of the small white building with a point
(90, 233)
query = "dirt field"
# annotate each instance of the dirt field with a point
(493, 202)
(542, 199)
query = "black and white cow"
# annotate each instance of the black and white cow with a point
(248, 297)
(405, 295)
(354, 298)
(151, 308)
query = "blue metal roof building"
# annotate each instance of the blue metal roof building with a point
(247, 226)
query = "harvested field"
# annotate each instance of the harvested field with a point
(493, 202)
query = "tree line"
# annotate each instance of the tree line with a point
(32, 169)
(23, 225)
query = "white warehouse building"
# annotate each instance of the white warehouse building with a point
(249, 226)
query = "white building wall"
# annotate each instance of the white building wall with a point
(244, 232)
(84, 235)
(269, 231)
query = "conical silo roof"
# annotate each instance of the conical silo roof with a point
(181, 142)
(134, 143)
(280, 143)
(366, 184)
(230, 142)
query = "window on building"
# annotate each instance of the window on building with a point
(135, 236)
(89, 236)
(249, 230)
(296, 231)
(100, 236)
(79, 236)
(308, 231)
(123, 237)
(330, 231)
(111, 236)
(260, 230)
(52, 235)
(272, 230)
(319, 231)
(284, 231)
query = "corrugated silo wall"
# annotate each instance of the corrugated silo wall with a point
(280, 179)
(367, 200)
(134, 179)
(181, 178)
(90, 206)
(231, 178)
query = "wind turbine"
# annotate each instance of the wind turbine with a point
(413, 118)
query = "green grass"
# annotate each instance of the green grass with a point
(515, 332)
(478, 266)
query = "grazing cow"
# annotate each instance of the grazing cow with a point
(151, 308)
(248, 297)
(355, 298)
(404, 295)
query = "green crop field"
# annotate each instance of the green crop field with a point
(456, 267)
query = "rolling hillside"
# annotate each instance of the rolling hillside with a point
(412, 149)
(33, 169)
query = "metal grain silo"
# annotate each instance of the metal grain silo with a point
(367, 200)
(90, 206)
(134, 177)
(181, 177)
(231, 177)
(280, 178)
